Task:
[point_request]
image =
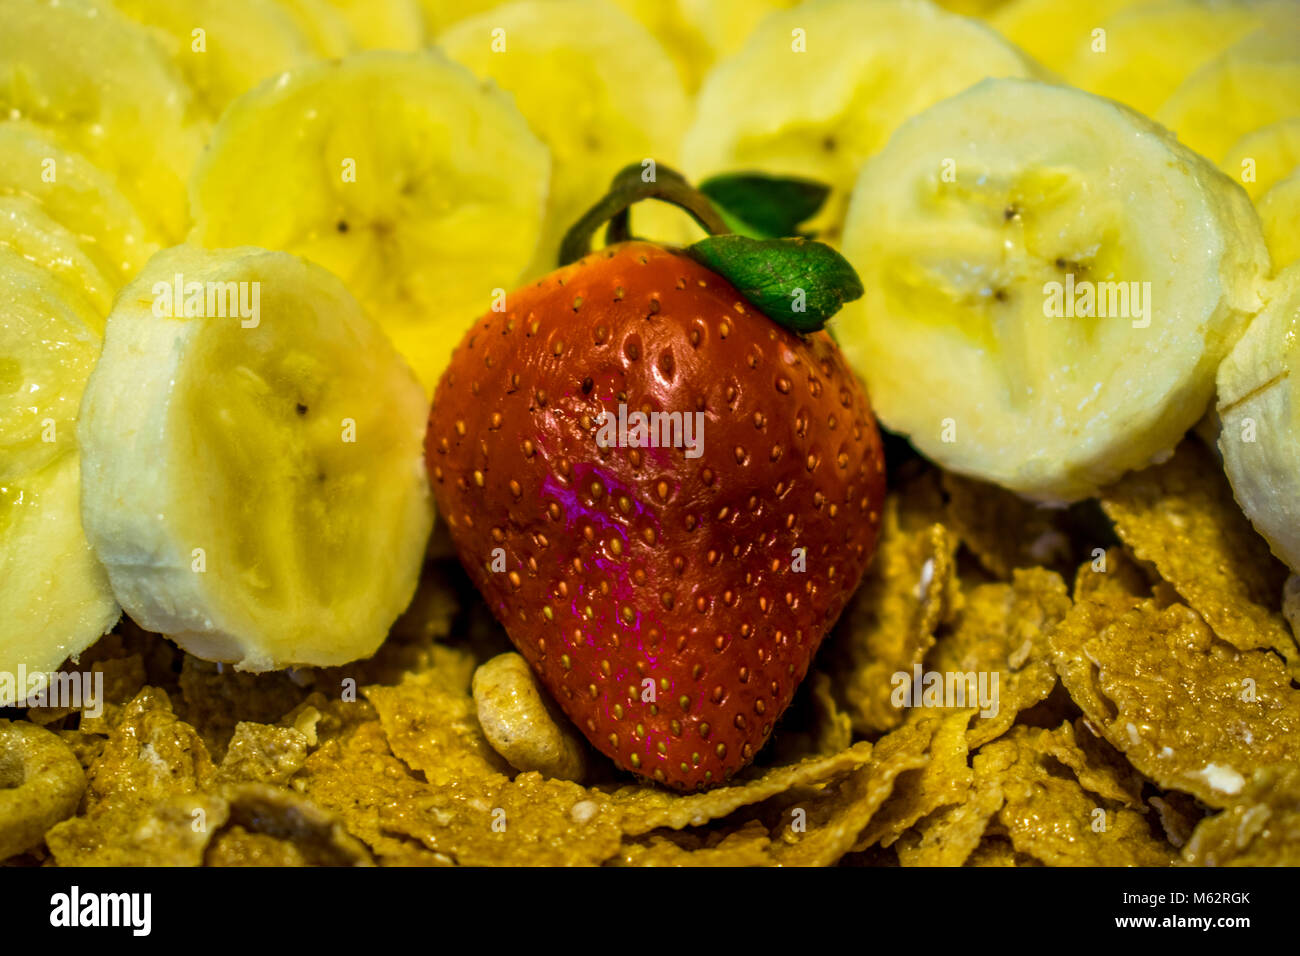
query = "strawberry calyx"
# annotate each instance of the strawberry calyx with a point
(795, 281)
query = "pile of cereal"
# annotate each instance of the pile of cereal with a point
(1012, 686)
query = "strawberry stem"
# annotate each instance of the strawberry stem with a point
(630, 186)
(798, 283)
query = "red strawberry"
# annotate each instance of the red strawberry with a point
(656, 594)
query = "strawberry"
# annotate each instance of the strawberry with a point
(666, 497)
(659, 597)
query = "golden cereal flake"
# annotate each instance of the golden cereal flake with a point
(1003, 530)
(1099, 767)
(124, 677)
(318, 837)
(172, 831)
(262, 753)
(1002, 631)
(889, 625)
(1181, 516)
(822, 829)
(643, 808)
(354, 775)
(215, 697)
(151, 754)
(1114, 573)
(1260, 828)
(951, 834)
(998, 851)
(431, 724)
(530, 821)
(944, 780)
(235, 846)
(1049, 815)
(476, 817)
(747, 845)
(1189, 711)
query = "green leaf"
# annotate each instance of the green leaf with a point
(767, 207)
(797, 283)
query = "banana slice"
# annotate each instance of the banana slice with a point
(1051, 281)
(418, 186)
(972, 8)
(667, 23)
(699, 33)
(56, 600)
(77, 195)
(1253, 84)
(383, 24)
(440, 14)
(47, 348)
(594, 86)
(1264, 156)
(254, 483)
(1148, 50)
(324, 26)
(28, 231)
(1260, 439)
(776, 108)
(103, 85)
(222, 47)
(1279, 213)
(726, 25)
(1052, 31)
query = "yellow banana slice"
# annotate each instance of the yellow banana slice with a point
(665, 21)
(103, 85)
(1253, 84)
(27, 230)
(594, 86)
(440, 14)
(818, 89)
(1053, 31)
(698, 33)
(417, 185)
(1264, 156)
(253, 477)
(79, 196)
(222, 47)
(1260, 438)
(383, 24)
(56, 600)
(47, 348)
(1279, 213)
(1051, 281)
(324, 26)
(726, 25)
(972, 8)
(1143, 53)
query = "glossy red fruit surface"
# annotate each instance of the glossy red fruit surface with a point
(670, 598)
